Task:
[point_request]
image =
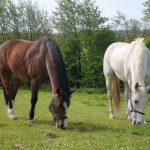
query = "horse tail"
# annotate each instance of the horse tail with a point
(116, 93)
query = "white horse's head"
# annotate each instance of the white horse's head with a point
(136, 105)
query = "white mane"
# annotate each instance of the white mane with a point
(139, 40)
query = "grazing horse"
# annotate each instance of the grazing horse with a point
(131, 64)
(37, 62)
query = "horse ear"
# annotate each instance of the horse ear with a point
(58, 91)
(137, 86)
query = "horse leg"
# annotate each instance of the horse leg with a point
(34, 98)
(110, 94)
(127, 96)
(7, 95)
(14, 89)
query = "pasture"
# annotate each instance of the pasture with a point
(89, 125)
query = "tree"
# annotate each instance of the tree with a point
(94, 70)
(4, 21)
(146, 10)
(23, 20)
(14, 16)
(66, 22)
(77, 21)
(34, 19)
(126, 29)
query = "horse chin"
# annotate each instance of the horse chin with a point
(137, 122)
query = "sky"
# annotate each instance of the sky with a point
(131, 8)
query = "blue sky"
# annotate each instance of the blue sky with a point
(131, 8)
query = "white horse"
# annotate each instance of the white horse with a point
(131, 64)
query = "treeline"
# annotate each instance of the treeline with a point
(23, 20)
(79, 28)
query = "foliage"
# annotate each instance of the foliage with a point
(23, 20)
(147, 42)
(79, 28)
(146, 10)
(100, 40)
(77, 24)
(89, 126)
(127, 29)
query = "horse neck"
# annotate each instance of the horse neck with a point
(148, 64)
(56, 70)
(139, 67)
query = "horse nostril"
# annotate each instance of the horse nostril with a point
(62, 126)
(133, 122)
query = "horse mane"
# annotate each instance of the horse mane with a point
(139, 40)
(138, 45)
(56, 59)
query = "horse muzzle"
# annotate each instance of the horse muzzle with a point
(62, 124)
(134, 122)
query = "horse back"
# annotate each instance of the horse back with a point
(116, 60)
(22, 58)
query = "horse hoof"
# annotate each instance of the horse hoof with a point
(13, 117)
(31, 121)
(111, 116)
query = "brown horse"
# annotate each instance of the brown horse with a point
(37, 62)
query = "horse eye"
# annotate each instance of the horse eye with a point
(136, 101)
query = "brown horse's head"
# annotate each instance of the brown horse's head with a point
(58, 107)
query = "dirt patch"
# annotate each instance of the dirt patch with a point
(51, 135)
(77, 123)
(19, 146)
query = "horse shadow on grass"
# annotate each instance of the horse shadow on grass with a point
(83, 127)
(74, 126)
(91, 127)
(36, 121)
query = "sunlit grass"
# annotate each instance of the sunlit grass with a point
(89, 126)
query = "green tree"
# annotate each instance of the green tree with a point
(100, 40)
(76, 22)
(66, 21)
(23, 20)
(146, 10)
(4, 21)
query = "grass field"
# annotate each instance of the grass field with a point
(89, 126)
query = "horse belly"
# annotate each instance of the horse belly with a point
(120, 74)
(119, 64)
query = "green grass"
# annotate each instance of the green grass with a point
(89, 126)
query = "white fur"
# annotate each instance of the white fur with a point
(11, 112)
(65, 121)
(131, 64)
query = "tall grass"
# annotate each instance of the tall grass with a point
(89, 126)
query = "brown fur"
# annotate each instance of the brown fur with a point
(36, 62)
